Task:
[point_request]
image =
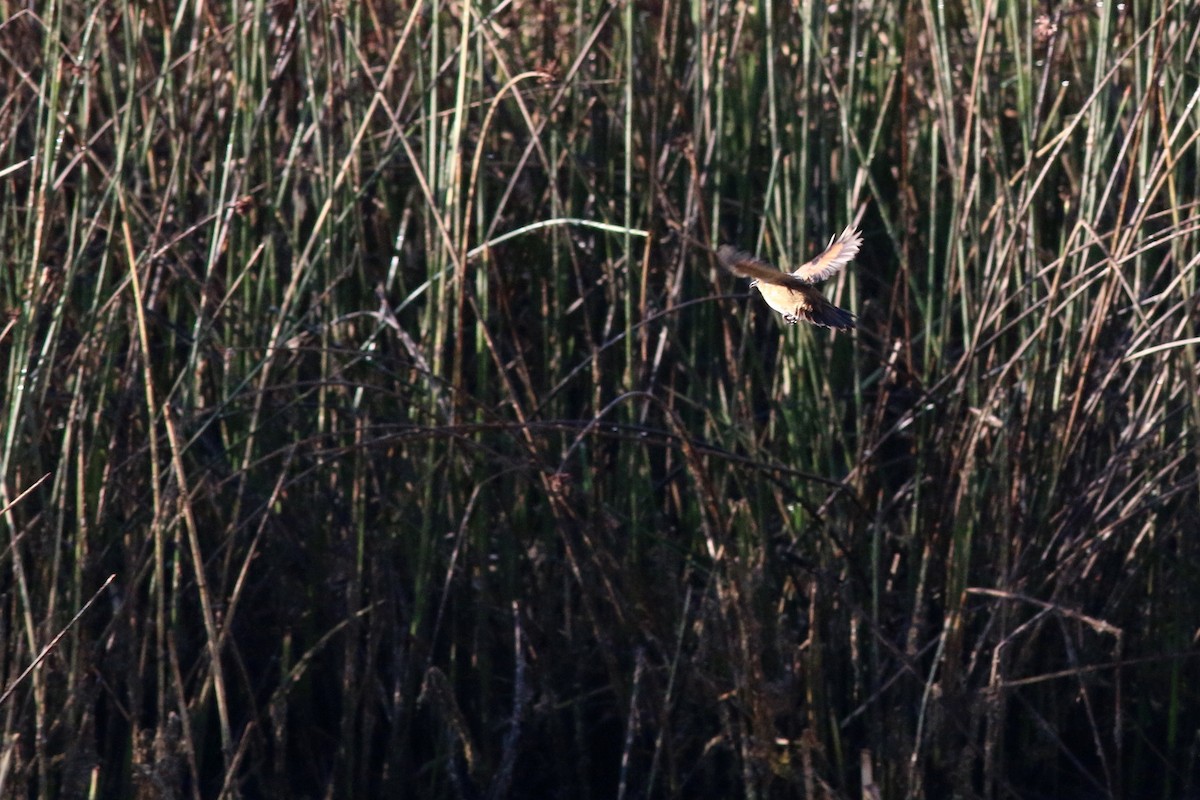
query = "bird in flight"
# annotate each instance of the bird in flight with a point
(794, 294)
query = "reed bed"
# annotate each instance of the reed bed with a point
(377, 421)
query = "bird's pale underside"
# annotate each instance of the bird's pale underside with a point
(794, 294)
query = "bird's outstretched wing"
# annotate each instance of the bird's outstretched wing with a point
(841, 251)
(745, 265)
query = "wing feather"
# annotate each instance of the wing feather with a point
(841, 251)
(747, 266)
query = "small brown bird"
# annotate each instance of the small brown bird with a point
(794, 294)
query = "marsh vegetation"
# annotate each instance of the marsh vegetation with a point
(377, 421)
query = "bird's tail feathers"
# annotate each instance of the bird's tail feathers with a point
(827, 315)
